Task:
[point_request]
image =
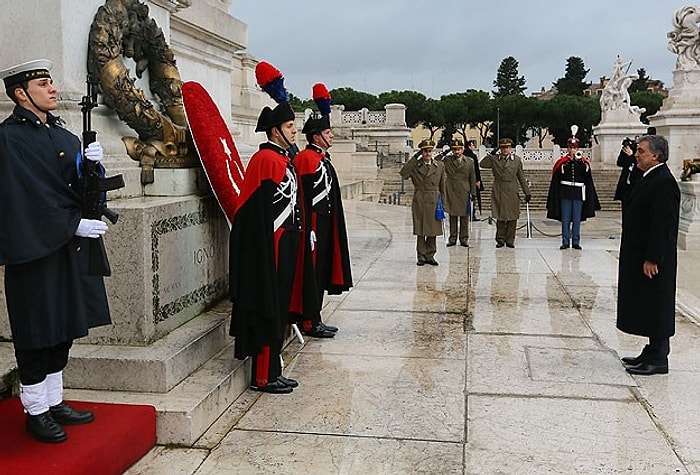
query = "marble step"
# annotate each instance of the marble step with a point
(186, 411)
(155, 368)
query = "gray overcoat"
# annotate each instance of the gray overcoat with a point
(460, 181)
(507, 174)
(429, 183)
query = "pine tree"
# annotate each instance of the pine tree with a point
(573, 84)
(507, 82)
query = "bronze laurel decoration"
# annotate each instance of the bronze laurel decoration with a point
(123, 29)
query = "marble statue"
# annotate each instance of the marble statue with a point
(684, 40)
(615, 95)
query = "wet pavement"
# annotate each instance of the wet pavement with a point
(496, 361)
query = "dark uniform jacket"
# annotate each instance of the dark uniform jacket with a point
(263, 249)
(50, 297)
(647, 307)
(629, 176)
(572, 180)
(323, 213)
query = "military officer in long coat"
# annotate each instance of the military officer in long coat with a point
(646, 297)
(428, 177)
(508, 173)
(460, 186)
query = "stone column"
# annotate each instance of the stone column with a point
(679, 119)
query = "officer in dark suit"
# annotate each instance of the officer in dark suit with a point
(51, 299)
(646, 300)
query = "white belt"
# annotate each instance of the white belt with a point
(577, 185)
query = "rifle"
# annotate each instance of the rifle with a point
(95, 186)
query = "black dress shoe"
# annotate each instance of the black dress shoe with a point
(450, 244)
(432, 262)
(648, 368)
(292, 383)
(275, 387)
(464, 244)
(563, 247)
(330, 328)
(577, 246)
(69, 416)
(44, 429)
(635, 360)
(319, 332)
(420, 262)
(510, 246)
(499, 244)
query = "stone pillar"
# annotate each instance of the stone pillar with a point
(679, 119)
(395, 115)
(614, 126)
(689, 225)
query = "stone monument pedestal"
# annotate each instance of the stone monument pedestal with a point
(689, 225)
(614, 127)
(679, 119)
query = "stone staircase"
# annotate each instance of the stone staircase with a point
(604, 176)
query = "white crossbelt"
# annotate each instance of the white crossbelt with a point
(577, 185)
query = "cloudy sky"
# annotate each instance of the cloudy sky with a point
(442, 46)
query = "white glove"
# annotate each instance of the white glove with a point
(312, 240)
(94, 152)
(91, 228)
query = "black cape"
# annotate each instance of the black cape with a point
(50, 297)
(261, 261)
(590, 205)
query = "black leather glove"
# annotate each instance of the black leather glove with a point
(527, 198)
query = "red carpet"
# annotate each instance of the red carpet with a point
(120, 435)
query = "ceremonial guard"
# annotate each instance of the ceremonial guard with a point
(572, 197)
(263, 247)
(460, 187)
(508, 173)
(51, 299)
(428, 177)
(325, 261)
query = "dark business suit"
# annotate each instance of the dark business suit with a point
(645, 306)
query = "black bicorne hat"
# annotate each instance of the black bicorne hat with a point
(270, 118)
(316, 125)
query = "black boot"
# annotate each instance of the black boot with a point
(319, 332)
(69, 416)
(44, 428)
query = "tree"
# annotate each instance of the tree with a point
(573, 84)
(563, 111)
(300, 106)
(649, 100)
(415, 103)
(507, 82)
(515, 115)
(353, 100)
(433, 117)
(639, 84)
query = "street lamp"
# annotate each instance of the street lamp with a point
(498, 124)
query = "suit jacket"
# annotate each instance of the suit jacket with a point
(647, 307)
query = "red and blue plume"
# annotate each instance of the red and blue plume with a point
(271, 81)
(322, 98)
